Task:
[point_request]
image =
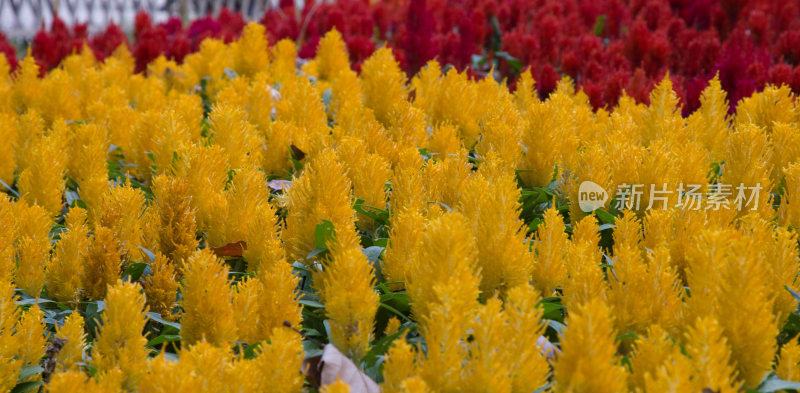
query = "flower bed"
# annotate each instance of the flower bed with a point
(244, 221)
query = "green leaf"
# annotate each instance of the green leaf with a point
(311, 349)
(324, 231)
(379, 347)
(315, 252)
(600, 25)
(30, 302)
(149, 253)
(29, 371)
(157, 317)
(604, 216)
(327, 96)
(135, 271)
(26, 386)
(557, 326)
(626, 336)
(373, 253)
(311, 303)
(164, 338)
(773, 383)
(513, 62)
(795, 295)
(252, 351)
(552, 308)
(13, 191)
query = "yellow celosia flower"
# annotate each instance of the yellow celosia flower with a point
(528, 366)
(745, 312)
(56, 100)
(172, 134)
(250, 52)
(503, 256)
(650, 351)
(275, 159)
(87, 163)
(549, 270)
(443, 287)
(407, 182)
(643, 293)
(176, 221)
(232, 131)
(783, 270)
(663, 117)
(368, 173)
(208, 315)
(33, 258)
(788, 366)
(307, 207)
(284, 55)
(278, 301)
(710, 123)
(332, 57)
(120, 343)
(766, 108)
(346, 289)
(8, 236)
(30, 130)
(264, 247)
(789, 210)
(102, 264)
(78, 381)
(5, 86)
(398, 366)
(30, 340)
(404, 246)
(747, 163)
(286, 350)
(336, 387)
(450, 98)
(8, 160)
(65, 270)
(26, 84)
(211, 60)
(785, 141)
(707, 366)
(383, 83)
(75, 342)
(206, 172)
(160, 287)
(589, 165)
(301, 105)
(42, 180)
(120, 210)
(588, 360)
(446, 178)
(245, 306)
(10, 363)
(247, 193)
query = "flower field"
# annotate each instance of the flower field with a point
(276, 208)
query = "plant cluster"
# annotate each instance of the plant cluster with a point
(210, 225)
(609, 47)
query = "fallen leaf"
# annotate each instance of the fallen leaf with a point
(311, 368)
(334, 365)
(279, 185)
(297, 153)
(234, 249)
